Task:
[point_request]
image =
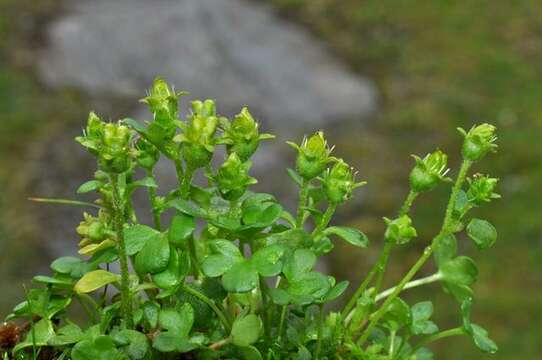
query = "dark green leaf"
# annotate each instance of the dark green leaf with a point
(136, 236)
(250, 353)
(350, 235)
(241, 277)
(134, 343)
(40, 335)
(154, 256)
(459, 271)
(336, 291)
(268, 261)
(181, 228)
(482, 340)
(172, 275)
(482, 233)
(445, 248)
(69, 334)
(100, 348)
(188, 208)
(397, 315)
(300, 262)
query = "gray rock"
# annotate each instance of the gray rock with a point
(234, 51)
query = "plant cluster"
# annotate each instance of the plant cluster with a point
(227, 273)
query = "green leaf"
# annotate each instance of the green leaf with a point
(151, 311)
(54, 281)
(295, 176)
(136, 236)
(300, 262)
(422, 311)
(181, 228)
(421, 325)
(397, 315)
(261, 215)
(336, 291)
(482, 340)
(178, 321)
(188, 208)
(445, 248)
(173, 275)
(241, 277)
(89, 186)
(134, 125)
(268, 261)
(70, 265)
(39, 336)
(134, 343)
(154, 256)
(482, 233)
(350, 235)
(95, 280)
(459, 271)
(246, 330)
(69, 334)
(308, 287)
(100, 348)
(225, 255)
(145, 182)
(250, 353)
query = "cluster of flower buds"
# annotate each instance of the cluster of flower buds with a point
(429, 171)
(478, 141)
(147, 154)
(242, 135)
(312, 156)
(94, 233)
(197, 138)
(232, 178)
(339, 182)
(400, 230)
(110, 142)
(163, 103)
(481, 189)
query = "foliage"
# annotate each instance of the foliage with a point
(225, 272)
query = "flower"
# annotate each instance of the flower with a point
(312, 156)
(481, 189)
(339, 182)
(242, 136)
(478, 141)
(232, 178)
(429, 171)
(400, 230)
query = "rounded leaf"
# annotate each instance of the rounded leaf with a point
(154, 256)
(95, 280)
(242, 277)
(459, 271)
(482, 233)
(268, 261)
(352, 236)
(136, 236)
(246, 331)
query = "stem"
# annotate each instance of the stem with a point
(392, 343)
(155, 211)
(412, 284)
(360, 290)
(425, 256)
(179, 170)
(263, 293)
(326, 218)
(320, 332)
(412, 195)
(186, 182)
(303, 195)
(441, 335)
(118, 218)
(281, 323)
(65, 202)
(211, 304)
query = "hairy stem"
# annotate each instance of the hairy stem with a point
(326, 218)
(303, 196)
(425, 256)
(155, 210)
(412, 284)
(118, 219)
(412, 195)
(186, 182)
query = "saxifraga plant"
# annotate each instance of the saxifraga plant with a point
(230, 274)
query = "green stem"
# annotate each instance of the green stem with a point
(155, 210)
(440, 335)
(283, 312)
(412, 195)
(65, 202)
(359, 291)
(381, 268)
(412, 284)
(425, 256)
(118, 218)
(179, 170)
(263, 294)
(303, 196)
(320, 333)
(211, 304)
(186, 182)
(326, 218)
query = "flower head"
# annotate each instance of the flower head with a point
(429, 171)
(232, 178)
(400, 230)
(312, 156)
(339, 182)
(478, 141)
(481, 189)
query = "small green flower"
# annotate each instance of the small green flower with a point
(313, 156)
(339, 182)
(478, 141)
(242, 135)
(91, 229)
(147, 154)
(198, 139)
(232, 178)
(400, 230)
(115, 152)
(429, 171)
(163, 101)
(481, 189)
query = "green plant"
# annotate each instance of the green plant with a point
(232, 273)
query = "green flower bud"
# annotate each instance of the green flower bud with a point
(242, 135)
(312, 156)
(91, 229)
(481, 189)
(232, 178)
(163, 101)
(114, 155)
(400, 230)
(198, 134)
(147, 154)
(429, 171)
(478, 141)
(93, 134)
(339, 182)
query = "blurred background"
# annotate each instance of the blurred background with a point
(385, 79)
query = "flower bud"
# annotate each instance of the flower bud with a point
(114, 154)
(312, 156)
(481, 189)
(91, 229)
(198, 134)
(399, 231)
(339, 182)
(478, 141)
(232, 178)
(147, 154)
(242, 136)
(429, 171)
(163, 102)
(93, 134)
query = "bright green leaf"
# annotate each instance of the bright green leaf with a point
(154, 256)
(95, 280)
(246, 330)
